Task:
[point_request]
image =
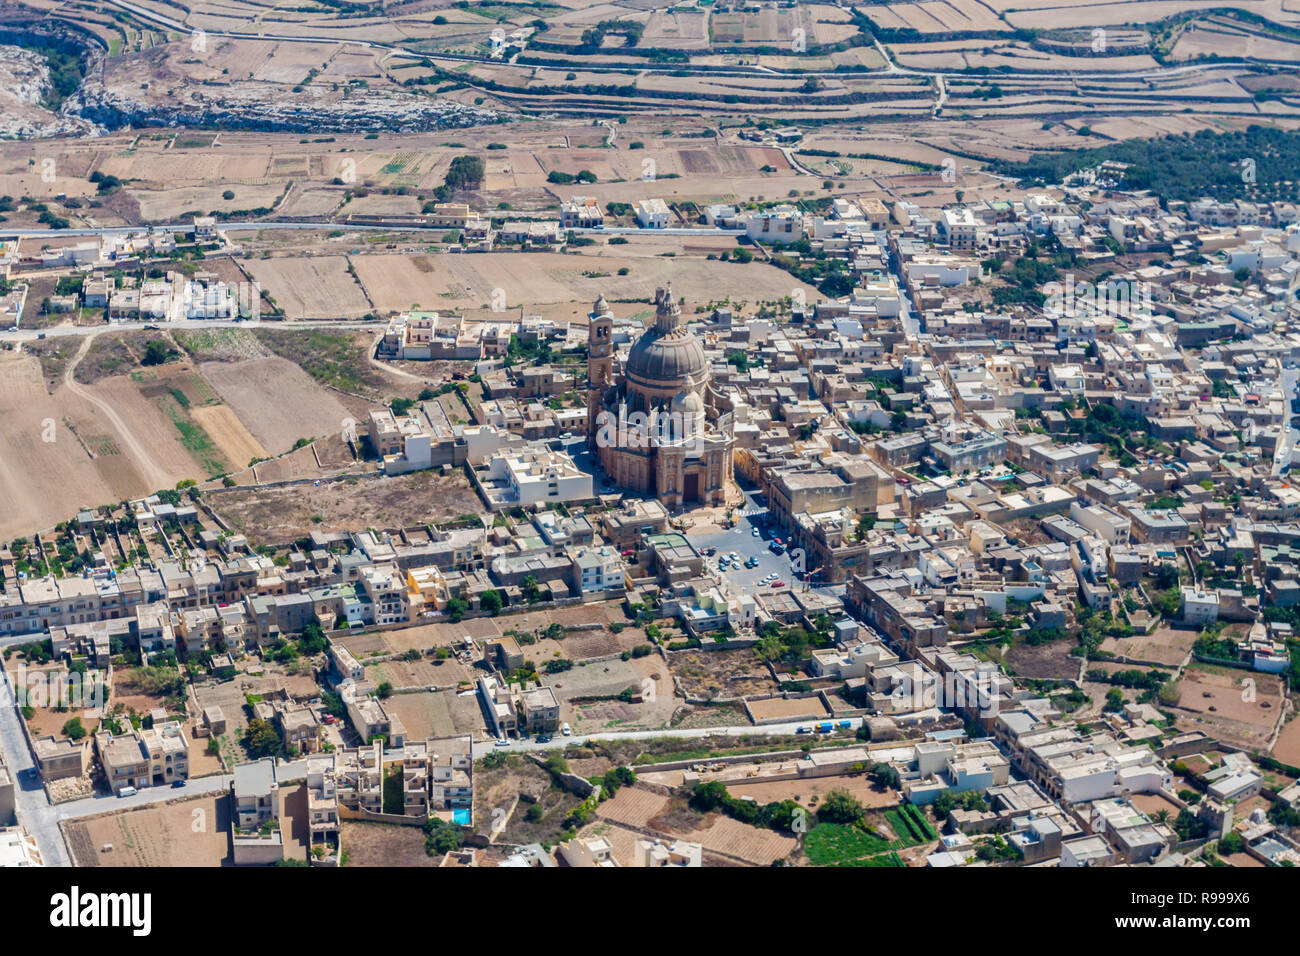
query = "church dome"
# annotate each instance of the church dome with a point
(687, 402)
(668, 355)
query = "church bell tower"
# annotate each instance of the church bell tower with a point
(600, 361)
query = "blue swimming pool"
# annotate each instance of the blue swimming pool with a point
(460, 817)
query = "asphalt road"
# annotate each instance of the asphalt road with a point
(911, 324)
(274, 225)
(559, 741)
(1286, 446)
(61, 331)
(32, 806)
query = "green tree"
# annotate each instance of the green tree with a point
(839, 807)
(441, 837)
(456, 608)
(156, 352)
(261, 739)
(885, 774)
(530, 589)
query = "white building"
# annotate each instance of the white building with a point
(581, 212)
(597, 571)
(958, 228)
(652, 214)
(535, 477)
(1198, 606)
(781, 224)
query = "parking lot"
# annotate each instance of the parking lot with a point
(746, 544)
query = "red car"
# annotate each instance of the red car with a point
(778, 584)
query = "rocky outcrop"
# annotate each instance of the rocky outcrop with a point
(25, 89)
(157, 88)
(254, 106)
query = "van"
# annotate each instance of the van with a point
(127, 792)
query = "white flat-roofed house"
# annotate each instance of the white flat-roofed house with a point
(652, 214)
(782, 224)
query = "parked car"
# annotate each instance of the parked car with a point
(566, 730)
(544, 738)
(177, 784)
(778, 583)
(501, 742)
(127, 792)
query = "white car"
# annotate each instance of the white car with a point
(501, 742)
(566, 730)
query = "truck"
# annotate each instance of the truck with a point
(846, 725)
(825, 727)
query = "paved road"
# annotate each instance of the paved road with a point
(559, 741)
(63, 331)
(33, 807)
(1287, 444)
(275, 225)
(906, 317)
(106, 802)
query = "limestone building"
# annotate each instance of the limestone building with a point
(655, 427)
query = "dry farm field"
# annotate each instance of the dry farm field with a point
(283, 514)
(277, 402)
(467, 282)
(1221, 703)
(318, 287)
(194, 832)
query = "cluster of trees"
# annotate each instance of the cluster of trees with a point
(1027, 276)
(831, 276)
(791, 643)
(66, 71)
(594, 37)
(1185, 167)
(261, 739)
(105, 183)
(464, 173)
(441, 837)
(707, 797)
(613, 779)
(947, 801)
(158, 352)
(564, 179)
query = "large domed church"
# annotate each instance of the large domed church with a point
(655, 427)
